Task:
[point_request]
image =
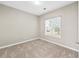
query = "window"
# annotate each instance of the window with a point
(53, 27)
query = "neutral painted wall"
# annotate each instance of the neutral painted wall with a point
(78, 28)
(16, 26)
(78, 20)
(69, 25)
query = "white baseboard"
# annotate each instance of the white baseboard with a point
(27, 40)
(60, 45)
(35, 38)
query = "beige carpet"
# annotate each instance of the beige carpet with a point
(37, 49)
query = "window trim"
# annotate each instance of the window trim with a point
(61, 27)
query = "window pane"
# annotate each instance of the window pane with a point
(53, 27)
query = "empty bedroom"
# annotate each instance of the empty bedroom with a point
(39, 29)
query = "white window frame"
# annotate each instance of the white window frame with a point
(60, 27)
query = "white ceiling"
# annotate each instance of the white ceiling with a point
(30, 7)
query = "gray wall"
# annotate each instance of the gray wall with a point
(16, 26)
(69, 25)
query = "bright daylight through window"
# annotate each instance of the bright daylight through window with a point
(53, 27)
